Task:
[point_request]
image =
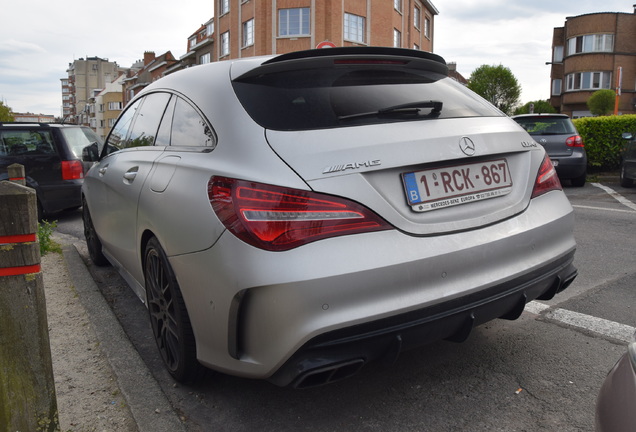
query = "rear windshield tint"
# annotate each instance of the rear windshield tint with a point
(547, 125)
(78, 138)
(341, 97)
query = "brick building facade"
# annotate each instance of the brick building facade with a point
(245, 28)
(587, 53)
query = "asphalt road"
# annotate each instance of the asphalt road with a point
(541, 372)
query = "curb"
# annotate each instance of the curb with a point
(148, 404)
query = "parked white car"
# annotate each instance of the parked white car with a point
(292, 218)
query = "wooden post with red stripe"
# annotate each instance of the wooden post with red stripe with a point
(27, 388)
(16, 174)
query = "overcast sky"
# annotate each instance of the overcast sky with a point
(39, 38)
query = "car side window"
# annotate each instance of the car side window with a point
(26, 143)
(189, 128)
(146, 122)
(120, 130)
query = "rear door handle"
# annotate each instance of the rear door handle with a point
(130, 175)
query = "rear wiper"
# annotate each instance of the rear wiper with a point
(407, 108)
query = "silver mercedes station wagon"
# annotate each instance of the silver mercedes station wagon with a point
(294, 217)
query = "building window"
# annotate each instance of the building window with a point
(293, 22)
(225, 6)
(556, 87)
(427, 28)
(248, 33)
(192, 42)
(417, 17)
(113, 106)
(397, 5)
(416, 47)
(591, 43)
(225, 44)
(354, 27)
(210, 28)
(557, 55)
(204, 59)
(588, 81)
(397, 38)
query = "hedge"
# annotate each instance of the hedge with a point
(603, 138)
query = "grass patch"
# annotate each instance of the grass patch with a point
(47, 244)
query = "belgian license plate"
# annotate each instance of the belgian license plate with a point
(438, 188)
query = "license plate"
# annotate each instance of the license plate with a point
(438, 188)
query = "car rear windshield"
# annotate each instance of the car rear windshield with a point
(78, 138)
(547, 125)
(350, 96)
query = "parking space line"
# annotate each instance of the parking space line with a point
(618, 197)
(603, 209)
(601, 326)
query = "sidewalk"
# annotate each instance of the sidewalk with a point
(101, 382)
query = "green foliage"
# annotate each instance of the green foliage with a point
(540, 106)
(47, 244)
(497, 85)
(603, 138)
(601, 102)
(5, 113)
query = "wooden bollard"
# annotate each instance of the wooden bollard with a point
(27, 388)
(16, 174)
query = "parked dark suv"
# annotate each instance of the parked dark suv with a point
(557, 134)
(52, 157)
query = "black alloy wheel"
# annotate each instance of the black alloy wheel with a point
(93, 244)
(168, 316)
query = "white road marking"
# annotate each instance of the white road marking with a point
(601, 326)
(618, 197)
(603, 209)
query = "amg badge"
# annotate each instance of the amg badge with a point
(353, 165)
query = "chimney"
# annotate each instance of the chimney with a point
(149, 57)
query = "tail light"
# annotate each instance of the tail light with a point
(547, 179)
(574, 141)
(72, 170)
(277, 219)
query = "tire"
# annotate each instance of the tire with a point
(626, 182)
(169, 319)
(579, 181)
(93, 244)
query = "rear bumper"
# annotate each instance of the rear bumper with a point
(341, 353)
(572, 166)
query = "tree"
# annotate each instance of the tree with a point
(602, 102)
(540, 106)
(497, 85)
(5, 113)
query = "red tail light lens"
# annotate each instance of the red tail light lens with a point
(547, 179)
(277, 219)
(574, 141)
(72, 170)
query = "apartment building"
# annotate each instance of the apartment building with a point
(107, 105)
(592, 52)
(84, 76)
(245, 28)
(140, 75)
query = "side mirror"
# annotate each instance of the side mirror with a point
(90, 153)
(627, 135)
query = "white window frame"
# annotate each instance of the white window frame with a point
(248, 33)
(225, 44)
(224, 6)
(417, 17)
(557, 87)
(205, 58)
(354, 28)
(304, 20)
(603, 42)
(397, 38)
(427, 27)
(397, 5)
(586, 81)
